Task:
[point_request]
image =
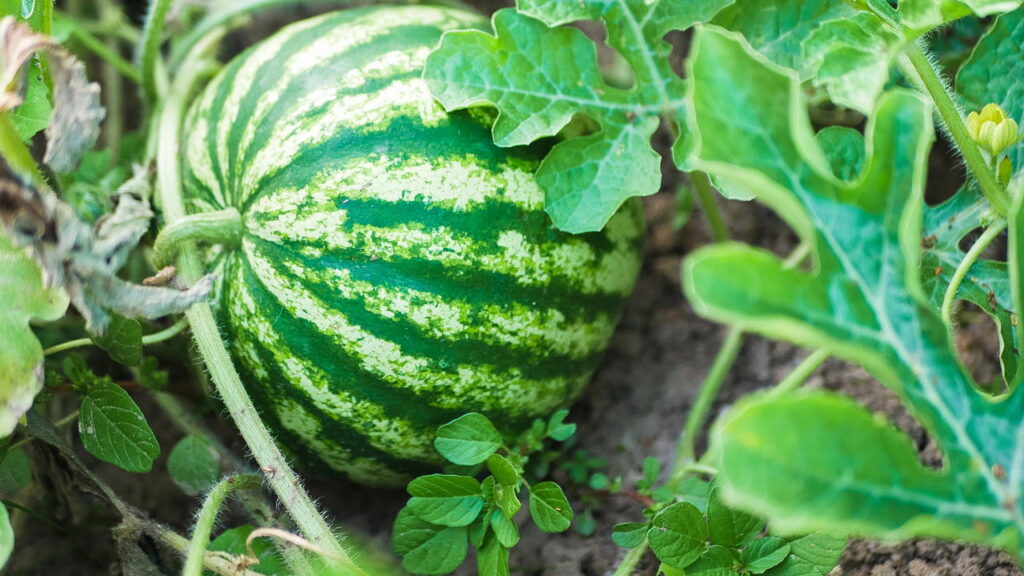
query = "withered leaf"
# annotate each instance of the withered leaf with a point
(83, 259)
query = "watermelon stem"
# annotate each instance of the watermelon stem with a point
(284, 481)
(219, 227)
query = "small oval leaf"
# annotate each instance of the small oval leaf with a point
(549, 508)
(114, 430)
(468, 440)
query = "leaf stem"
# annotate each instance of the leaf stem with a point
(208, 515)
(801, 373)
(152, 34)
(972, 256)
(632, 559)
(950, 116)
(154, 338)
(217, 227)
(706, 197)
(279, 474)
(686, 452)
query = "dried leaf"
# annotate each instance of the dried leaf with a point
(84, 260)
(77, 113)
(17, 45)
(75, 123)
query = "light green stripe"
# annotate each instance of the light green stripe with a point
(390, 434)
(512, 325)
(573, 262)
(476, 385)
(305, 425)
(371, 112)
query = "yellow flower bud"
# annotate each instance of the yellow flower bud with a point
(992, 130)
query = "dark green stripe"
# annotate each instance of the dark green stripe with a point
(476, 287)
(404, 137)
(535, 361)
(267, 78)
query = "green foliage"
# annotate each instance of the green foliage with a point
(123, 340)
(25, 298)
(776, 28)
(6, 536)
(114, 430)
(468, 440)
(995, 74)
(801, 459)
(521, 71)
(448, 512)
(194, 465)
(15, 471)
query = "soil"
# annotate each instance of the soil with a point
(634, 408)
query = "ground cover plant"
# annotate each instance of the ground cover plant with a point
(390, 244)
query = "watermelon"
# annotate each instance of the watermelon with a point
(396, 269)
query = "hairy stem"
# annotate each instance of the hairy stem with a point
(219, 227)
(706, 197)
(628, 565)
(208, 515)
(686, 452)
(802, 372)
(972, 256)
(279, 474)
(950, 116)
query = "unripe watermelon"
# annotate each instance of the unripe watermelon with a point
(396, 270)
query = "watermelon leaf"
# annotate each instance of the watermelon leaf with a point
(468, 440)
(114, 430)
(862, 301)
(987, 284)
(25, 298)
(777, 27)
(522, 71)
(994, 72)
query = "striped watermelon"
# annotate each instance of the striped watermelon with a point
(397, 270)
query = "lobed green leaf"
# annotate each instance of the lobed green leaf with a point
(540, 77)
(25, 298)
(863, 301)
